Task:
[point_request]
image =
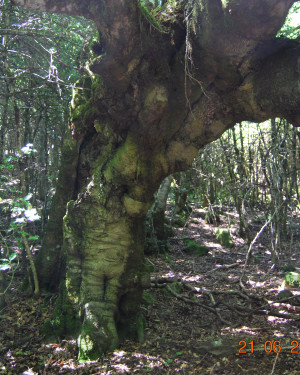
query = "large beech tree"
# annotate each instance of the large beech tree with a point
(156, 93)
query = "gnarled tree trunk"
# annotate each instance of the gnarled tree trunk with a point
(160, 91)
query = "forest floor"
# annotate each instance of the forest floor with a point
(200, 319)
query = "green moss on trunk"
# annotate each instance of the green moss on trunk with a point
(105, 267)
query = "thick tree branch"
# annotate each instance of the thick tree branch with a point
(232, 28)
(256, 19)
(72, 8)
(117, 20)
(272, 90)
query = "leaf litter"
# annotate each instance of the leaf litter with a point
(199, 319)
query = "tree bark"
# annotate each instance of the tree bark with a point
(159, 91)
(105, 267)
(50, 259)
(159, 207)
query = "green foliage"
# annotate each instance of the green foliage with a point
(150, 268)
(7, 263)
(153, 245)
(289, 268)
(148, 298)
(291, 27)
(177, 287)
(224, 237)
(192, 247)
(148, 10)
(179, 221)
(21, 213)
(44, 56)
(292, 279)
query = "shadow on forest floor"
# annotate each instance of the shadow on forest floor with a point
(199, 319)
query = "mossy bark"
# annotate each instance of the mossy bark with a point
(105, 267)
(151, 100)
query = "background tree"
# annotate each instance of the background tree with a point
(252, 168)
(39, 65)
(161, 88)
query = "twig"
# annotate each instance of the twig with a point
(226, 266)
(255, 239)
(274, 364)
(229, 292)
(32, 265)
(251, 245)
(187, 300)
(161, 281)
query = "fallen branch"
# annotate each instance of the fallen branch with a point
(187, 300)
(213, 307)
(244, 311)
(226, 266)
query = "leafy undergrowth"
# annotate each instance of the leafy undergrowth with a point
(200, 320)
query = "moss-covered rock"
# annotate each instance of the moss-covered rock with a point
(192, 247)
(88, 350)
(224, 237)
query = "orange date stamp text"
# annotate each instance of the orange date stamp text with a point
(269, 347)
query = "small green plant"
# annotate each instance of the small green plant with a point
(7, 263)
(192, 247)
(289, 268)
(23, 213)
(168, 361)
(224, 237)
(167, 258)
(176, 287)
(147, 11)
(148, 298)
(179, 221)
(292, 279)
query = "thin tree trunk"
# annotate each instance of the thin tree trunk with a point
(50, 260)
(159, 208)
